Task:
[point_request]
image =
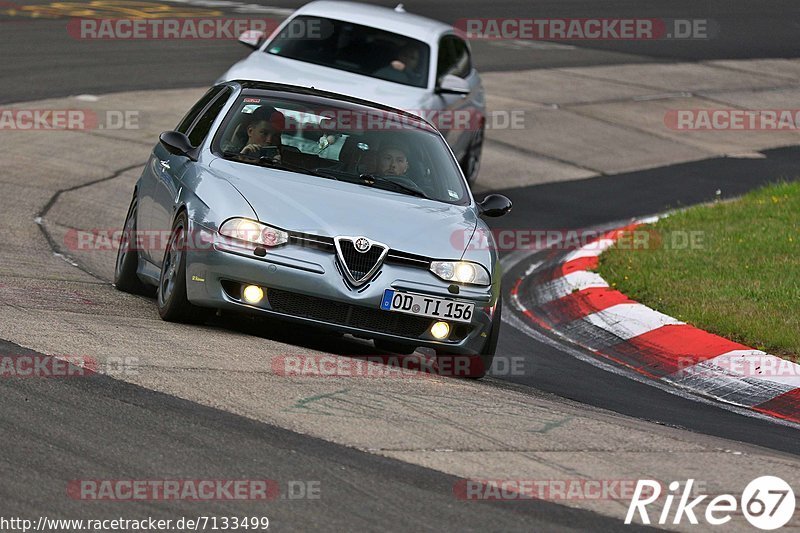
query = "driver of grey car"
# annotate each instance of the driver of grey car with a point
(395, 158)
(403, 69)
(393, 161)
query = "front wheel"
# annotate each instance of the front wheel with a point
(173, 305)
(471, 163)
(490, 348)
(473, 366)
(125, 278)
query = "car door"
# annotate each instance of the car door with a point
(459, 119)
(157, 172)
(170, 170)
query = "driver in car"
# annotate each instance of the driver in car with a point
(404, 69)
(392, 161)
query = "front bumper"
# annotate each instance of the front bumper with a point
(304, 284)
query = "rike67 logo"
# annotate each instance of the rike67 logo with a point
(767, 502)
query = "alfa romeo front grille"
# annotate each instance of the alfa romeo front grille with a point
(360, 264)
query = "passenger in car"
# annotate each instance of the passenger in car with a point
(263, 131)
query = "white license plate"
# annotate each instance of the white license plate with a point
(417, 304)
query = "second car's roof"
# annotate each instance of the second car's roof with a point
(415, 26)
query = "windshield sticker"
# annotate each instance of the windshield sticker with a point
(453, 194)
(252, 100)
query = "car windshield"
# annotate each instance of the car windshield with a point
(354, 48)
(360, 145)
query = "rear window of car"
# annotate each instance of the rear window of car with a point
(354, 48)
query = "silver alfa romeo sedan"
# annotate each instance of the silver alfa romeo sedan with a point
(318, 208)
(379, 54)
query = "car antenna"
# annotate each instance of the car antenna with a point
(400, 8)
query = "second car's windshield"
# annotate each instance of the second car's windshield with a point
(360, 145)
(354, 48)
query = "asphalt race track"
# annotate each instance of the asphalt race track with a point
(188, 422)
(48, 62)
(164, 433)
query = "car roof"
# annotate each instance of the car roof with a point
(401, 22)
(253, 85)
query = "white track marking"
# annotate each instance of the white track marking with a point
(593, 249)
(566, 285)
(759, 365)
(629, 320)
(675, 389)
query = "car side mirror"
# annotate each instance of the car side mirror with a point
(494, 205)
(178, 143)
(252, 38)
(450, 84)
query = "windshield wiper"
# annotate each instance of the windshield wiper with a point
(268, 162)
(371, 179)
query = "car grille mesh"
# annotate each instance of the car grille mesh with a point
(356, 316)
(359, 264)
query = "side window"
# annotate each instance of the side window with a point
(201, 104)
(446, 58)
(463, 65)
(453, 58)
(203, 125)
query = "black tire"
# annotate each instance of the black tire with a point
(490, 348)
(451, 363)
(173, 305)
(394, 347)
(471, 163)
(125, 278)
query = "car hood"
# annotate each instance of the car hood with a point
(261, 66)
(320, 206)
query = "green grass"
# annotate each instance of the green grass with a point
(740, 280)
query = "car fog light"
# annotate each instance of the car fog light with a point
(440, 330)
(253, 294)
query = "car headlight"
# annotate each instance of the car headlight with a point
(461, 272)
(253, 232)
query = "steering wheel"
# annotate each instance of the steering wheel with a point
(408, 182)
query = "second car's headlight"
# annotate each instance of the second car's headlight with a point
(461, 272)
(253, 232)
